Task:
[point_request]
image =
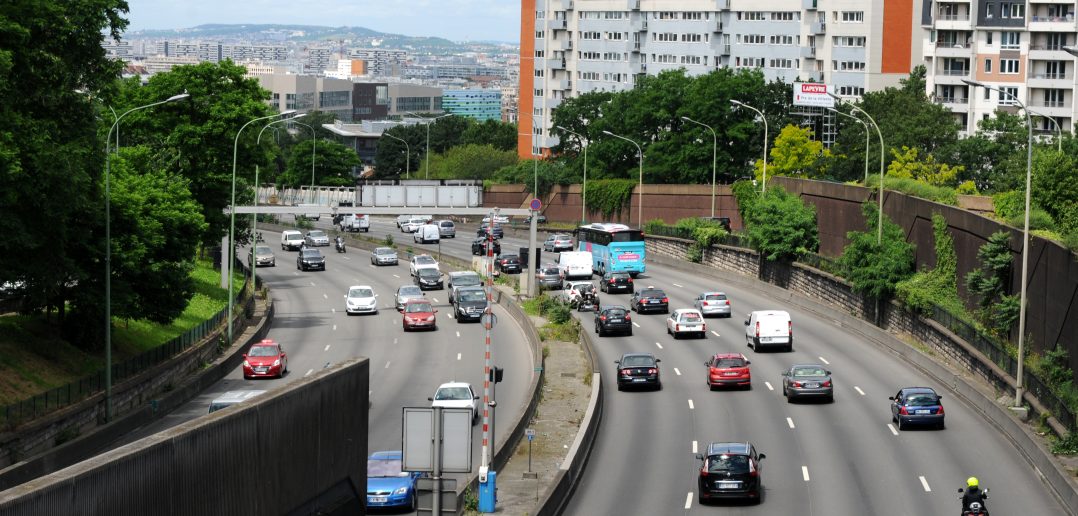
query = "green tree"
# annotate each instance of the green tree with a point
(990, 283)
(794, 154)
(908, 165)
(550, 173)
(875, 267)
(393, 158)
(1054, 186)
(994, 157)
(781, 227)
(333, 164)
(746, 193)
(937, 286)
(498, 134)
(469, 161)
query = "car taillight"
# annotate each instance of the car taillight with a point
(795, 384)
(727, 302)
(602, 317)
(624, 372)
(827, 383)
(677, 327)
(752, 469)
(653, 371)
(612, 281)
(630, 280)
(666, 300)
(790, 328)
(940, 411)
(705, 327)
(902, 410)
(757, 328)
(703, 470)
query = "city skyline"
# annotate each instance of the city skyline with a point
(456, 20)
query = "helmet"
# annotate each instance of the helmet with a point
(972, 482)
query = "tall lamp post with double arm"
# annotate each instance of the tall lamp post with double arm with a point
(407, 155)
(714, 158)
(640, 187)
(254, 219)
(763, 183)
(879, 218)
(584, 187)
(429, 121)
(314, 145)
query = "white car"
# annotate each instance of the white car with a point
(457, 395)
(572, 290)
(423, 261)
(498, 219)
(769, 328)
(413, 224)
(361, 299)
(686, 321)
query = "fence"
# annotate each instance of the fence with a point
(78, 390)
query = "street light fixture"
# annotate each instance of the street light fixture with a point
(108, 244)
(1059, 130)
(584, 187)
(314, 145)
(879, 218)
(429, 120)
(1025, 237)
(407, 155)
(714, 157)
(862, 122)
(254, 219)
(640, 195)
(763, 184)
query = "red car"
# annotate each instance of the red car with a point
(266, 358)
(418, 314)
(728, 369)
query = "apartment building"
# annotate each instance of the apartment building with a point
(479, 104)
(305, 93)
(381, 61)
(569, 47)
(1023, 49)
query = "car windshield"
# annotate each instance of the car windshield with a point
(550, 270)
(508, 257)
(615, 313)
(652, 293)
(385, 468)
(416, 308)
(446, 224)
(424, 260)
(409, 291)
(311, 253)
(809, 371)
(922, 400)
(428, 273)
(472, 296)
(465, 280)
(316, 233)
(263, 351)
(263, 249)
(637, 361)
(619, 275)
(715, 297)
(360, 292)
(732, 463)
(690, 317)
(453, 393)
(730, 362)
(384, 250)
(587, 287)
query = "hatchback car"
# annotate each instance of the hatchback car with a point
(422, 261)
(686, 321)
(508, 263)
(407, 293)
(418, 314)
(479, 247)
(361, 299)
(316, 238)
(730, 470)
(614, 318)
(557, 243)
(471, 303)
(917, 406)
(807, 381)
(265, 359)
(429, 279)
(310, 259)
(264, 256)
(638, 370)
(616, 282)
(387, 484)
(650, 299)
(457, 395)
(713, 303)
(446, 228)
(484, 230)
(384, 256)
(728, 370)
(549, 277)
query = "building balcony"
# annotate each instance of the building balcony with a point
(634, 46)
(1041, 51)
(725, 50)
(808, 5)
(952, 22)
(818, 27)
(951, 49)
(1059, 81)
(556, 64)
(1051, 23)
(808, 52)
(951, 76)
(557, 24)
(812, 75)
(639, 25)
(566, 5)
(954, 103)
(1053, 109)
(632, 5)
(716, 26)
(722, 5)
(562, 44)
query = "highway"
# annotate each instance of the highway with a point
(845, 458)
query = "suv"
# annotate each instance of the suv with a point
(310, 259)
(616, 281)
(613, 319)
(479, 247)
(508, 263)
(650, 299)
(730, 470)
(471, 302)
(446, 228)
(558, 243)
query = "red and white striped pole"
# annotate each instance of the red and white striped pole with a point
(485, 463)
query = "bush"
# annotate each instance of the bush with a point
(875, 269)
(1038, 219)
(388, 240)
(559, 314)
(967, 187)
(938, 286)
(1009, 204)
(654, 226)
(940, 194)
(746, 193)
(781, 227)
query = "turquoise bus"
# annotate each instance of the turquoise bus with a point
(613, 247)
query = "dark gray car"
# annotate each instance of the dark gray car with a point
(549, 277)
(461, 279)
(429, 279)
(807, 381)
(406, 293)
(471, 303)
(310, 259)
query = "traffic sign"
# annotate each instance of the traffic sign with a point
(536, 204)
(529, 433)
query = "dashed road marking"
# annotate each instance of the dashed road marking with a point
(892, 428)
(859, 391)
(694, 446)
(326, 296)
(458, 334)
(824, 360)
(436, 300)
(924, 484)
(688, 500)
(790, 421)
(678, 286)
(458, 356)
(660, 345)
(334, 310)
(312, 284)
(396, 276)
(677, 371)
(387, 365)
(334, 327)
(346, 258)
(805, 473)
(769, 387)
(394, 340)
(309, 371)
(634, 324)
(715, 333)
(327, 347)
(371, 265)
(691, 407)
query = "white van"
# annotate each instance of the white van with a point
(427, 233)
(291, 240)
(356, 223)
(769, 328)
(575, 264)
(231, 398)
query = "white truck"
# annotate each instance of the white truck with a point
(355, 223)
(575, 264)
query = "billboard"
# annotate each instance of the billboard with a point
(812, 94)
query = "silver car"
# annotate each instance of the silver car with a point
(384, 256)
(316, 238)
(713, 303)
(264, 256)
(447, 229)
(408, 292)
(807, 381)
(558, 243)
(549, 277)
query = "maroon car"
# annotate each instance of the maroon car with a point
(266, 358)
(418, 314)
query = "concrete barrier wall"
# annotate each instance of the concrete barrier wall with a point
(264, 456)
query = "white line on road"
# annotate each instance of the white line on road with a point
(824, 360)
(677, 371)
(334, 327)
(694, 446)
(394, 340)
(892, 428)
(769, 387)
(325, 296)
(387, 365)
(395, 276)
(327, 347)
(334, 310)
(634, 324)
(924, 483)
(312, 284)
(436, 300)
(309, 371)
(691, 407)
(678, 286)
(859, 391)
(371, 265)
(458, 334)
(805, 472)
(790, 422)
(660, 345)
(688, 500)
(715, 333)
(346, 258)
(458, 356)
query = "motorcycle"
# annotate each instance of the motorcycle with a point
(258, 238)
(588, 301)
(340, 245)
(975, 508)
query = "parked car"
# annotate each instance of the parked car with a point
(427, 234)
(310, 259)
(423, 261)
(730, 470)
(457, 395)
(557, 243)
(446, 228)
(728, 370)
(615, 319)
(471, 303)
(807, 381)
(429, 279)
(769, 328)
(548, 277)
(387, 484)
(616, 282)
(461, 279)
(686, 321)
(418, 314)
(407, 293)
(384, 256)
(650, 299)
(917, 406)
(316, 238)
(508, 263)
(265, 359)
(713, 303)
(264, 256)
(361, 299)
(541, 219)
(638, 370)
(291, 240)
(479, 247)
(484, 230)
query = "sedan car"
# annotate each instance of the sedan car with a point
(549, 277)
(471, 303)
(422, 261)
(713, 303)
(613, 319)
(728, 370)
(457, 395)
(384, 256)
(558, 242)
(917, 406)
(264, 256)
(730, 470)
(616, 282)
(479, 247)
(361, 299)
(418, 314)
(429, 279)
(387, 484)
(407, 293)
(638, 370)
(686, 321)
(650, 299)
(540, 220)
(807, 381)
(316, 238)
(508, 263)
(310, 259)
(265, 359)
(484, 230)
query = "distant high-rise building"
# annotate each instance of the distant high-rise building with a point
(479, 104)
(318, 60)
(381, 61)
(348, 68)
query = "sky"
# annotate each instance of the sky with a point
(457, 20)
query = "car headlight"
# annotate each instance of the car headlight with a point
(246, 364)
(401, 490)
(430, 318)
(276, 362)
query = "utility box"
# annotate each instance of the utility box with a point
(488, 493)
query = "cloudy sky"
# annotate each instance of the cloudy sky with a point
(457, 20)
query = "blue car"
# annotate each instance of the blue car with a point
(387, 485)
(917, 406)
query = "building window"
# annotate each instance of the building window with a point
(988, 65)
(851, 16)
(849, 41)
(751, 16)
(591, 35)
(539, 72)
(1053, 98)
(665, 36)
(988, 37)
(539, 53)
(782, 40)
(784, 16)
(539, 92)
(1010, 40)
(752, 39)
(848, 66)
(539, 34)
(1008, 66)
(1008, 96)
(782, 63)
(667, 15)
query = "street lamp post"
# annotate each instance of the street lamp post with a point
(862, 122)
(1059, 130)
(314, 145)
(640, 195)
(763, 183)
(584, 187)
(254, 219)
(879, 218)
(1025, 238)
(714, 158)
(426, 174)
(108, 244)
(407, 155)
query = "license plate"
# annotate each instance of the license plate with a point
(727, 484)
(730, 374)
(640, 379)
(378, 499)
(765, 339)
(812, 385)
(260, 369)
(654, 301)
(615, 320)
(922, 412)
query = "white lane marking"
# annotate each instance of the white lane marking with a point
(892, 428)
(634, 324)
(309, 371)
(327, 347)
(334, 310)
(312, 284)
(395, 276)
(394, 340)
(769, 387)
(295, 273)
(924, 483)
(458, 334)
(691, 407)
(334, 327)
(371, 265)
(824, 360)
(346, 258)
(387, 365)
(676, 371)
(660, 345)
(436, 300)
(859, 391)
(805, 472)
(678, 286)
(715, 333)
(458, 356)
(790, 421)
(694, 446)
(688, 500)
(326, 296)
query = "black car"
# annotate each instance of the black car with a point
(428, 279)
(730, 470)
(479, 247)
(638, 370)
(484, 230)
(310, 259)
(471, 302)
(508, 263)
(650, 299)
(613, 319)
(540, 220)
(616, 282)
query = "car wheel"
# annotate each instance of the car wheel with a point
(789, 397)
(941, 425)
(630, 333)
(710, 387)
(621, 387)
(901, 425)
